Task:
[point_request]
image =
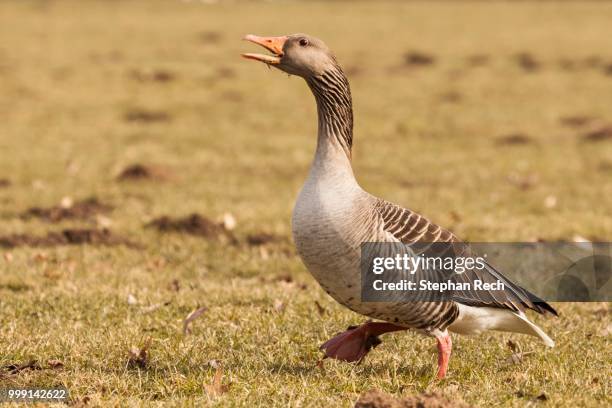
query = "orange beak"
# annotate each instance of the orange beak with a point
(272, 44)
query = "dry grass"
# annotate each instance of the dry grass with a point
(90, 88)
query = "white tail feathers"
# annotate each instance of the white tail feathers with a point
(534, 330)
(475, 320)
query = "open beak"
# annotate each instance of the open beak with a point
(272, 44)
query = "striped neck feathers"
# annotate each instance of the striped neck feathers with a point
(335, 108)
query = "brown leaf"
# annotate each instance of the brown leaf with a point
(191, 317)
(320, 308)
(175, 285)
(217, 387)
(513, 346)
(83, 402)
(139, 357)
(514, 358)
(53, 363)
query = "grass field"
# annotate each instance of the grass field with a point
(491, 119)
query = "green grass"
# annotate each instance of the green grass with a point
(240, 139)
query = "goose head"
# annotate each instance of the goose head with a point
(296, 54)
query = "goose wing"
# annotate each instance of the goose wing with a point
(425, 237)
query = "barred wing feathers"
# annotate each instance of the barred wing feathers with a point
(421, 235)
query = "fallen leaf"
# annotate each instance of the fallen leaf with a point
(228, 221)
(513, 346)
(66, 202)
(320, 308)
(263, 252)
(139, 357)
(279, 305)
(53, 363)
(516, 358)
(191, 317)
(103, 222)
(217, 387)
(83, 402)
(154, 307)
(550, 201)
(175, 285)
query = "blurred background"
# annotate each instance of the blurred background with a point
(141, 158)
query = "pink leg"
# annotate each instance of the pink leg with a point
(445, 345)
(356, 342)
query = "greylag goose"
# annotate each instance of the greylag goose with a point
(333, 216)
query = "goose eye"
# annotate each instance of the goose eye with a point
(303, 42)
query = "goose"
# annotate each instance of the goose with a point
(333, 216)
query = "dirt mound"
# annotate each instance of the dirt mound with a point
(514, 139)
(210, 37)
(139, 171)
(263, 238)
(157, 75)
(576, 121)
(527, 62)
(451, 97)
(80, 210)
(379, 399)
(146, 116)
(478, 60)
(66, 237)
(194, 224)
(417, 58)
(600, 134)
